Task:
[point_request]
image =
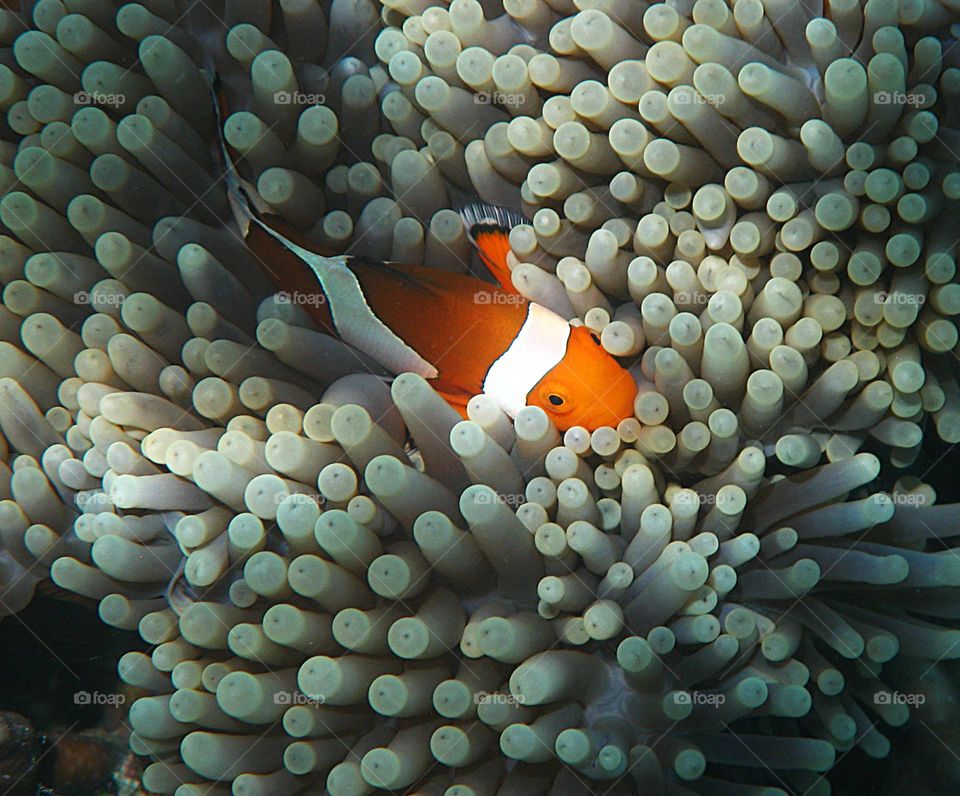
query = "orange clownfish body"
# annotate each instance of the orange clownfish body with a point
(464, 334)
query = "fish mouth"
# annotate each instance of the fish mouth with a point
(618, 403)
(610, 408)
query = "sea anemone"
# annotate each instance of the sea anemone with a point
(349, 614)
(346, 584)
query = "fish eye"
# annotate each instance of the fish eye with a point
(555, 399)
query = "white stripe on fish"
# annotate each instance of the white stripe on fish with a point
(538, 347)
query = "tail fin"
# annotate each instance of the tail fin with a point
(489, 229)
(293, 258)
(245, 203)
(255, 220)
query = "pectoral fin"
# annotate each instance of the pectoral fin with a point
(458, 400)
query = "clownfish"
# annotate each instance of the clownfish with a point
(465, 335)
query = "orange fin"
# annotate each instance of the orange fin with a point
(458, 400)
(489, 228)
